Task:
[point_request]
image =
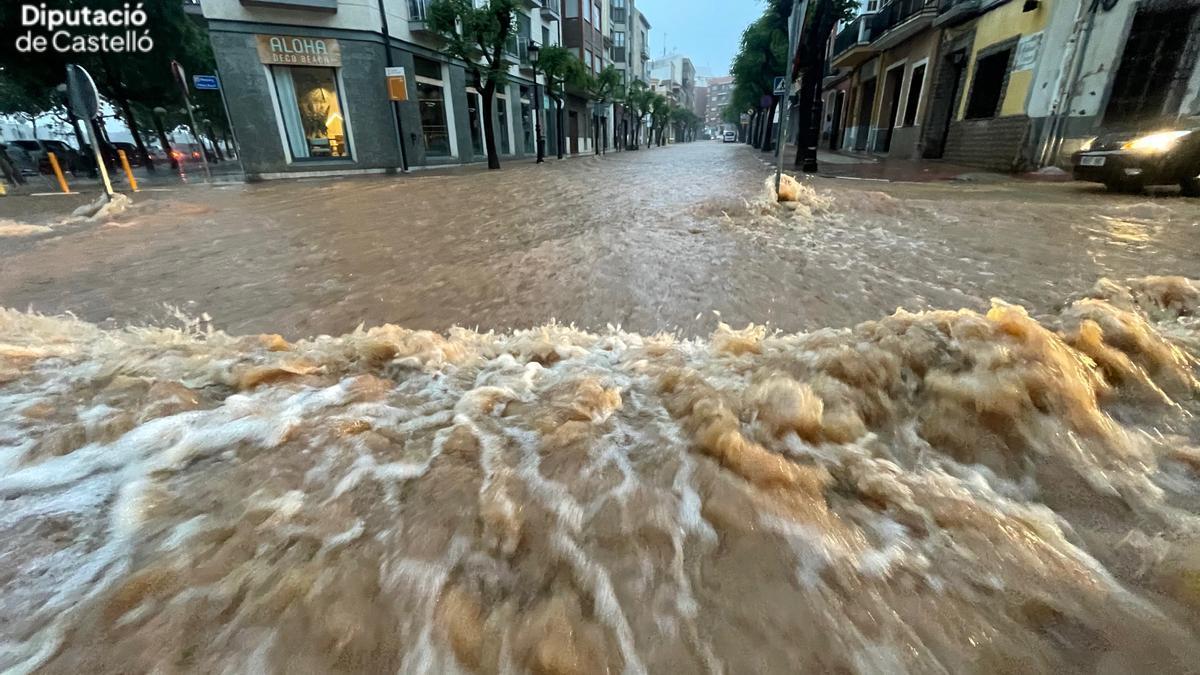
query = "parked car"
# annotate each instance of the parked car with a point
(131, 153)
(34, 157)
(1130, 161)
(729, 137)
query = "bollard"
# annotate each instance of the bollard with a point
(128, 171)
(62, 181)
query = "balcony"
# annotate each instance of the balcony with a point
(899, 20)
(516, 51)
(853, 45)
(418, 16)
(319, 5)
(550, 10)
(618, 15)
(954, 12)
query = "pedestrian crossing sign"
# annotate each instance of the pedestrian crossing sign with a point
(780, 87)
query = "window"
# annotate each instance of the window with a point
(527, 120)
(914, 95)
(545, 36)
(312, 112)
(618, 38)
(587, 59)
(571, 9)
(502, 108)
(431, 99)
(597, 17)
(987, 88)
(474, 106)
(618, 11)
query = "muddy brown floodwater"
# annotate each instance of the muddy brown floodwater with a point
(965, 485)
(636, 239)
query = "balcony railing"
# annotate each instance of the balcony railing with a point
(897, 12)
(857, 32)
(618, 15)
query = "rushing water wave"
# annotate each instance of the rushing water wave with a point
(944, 491)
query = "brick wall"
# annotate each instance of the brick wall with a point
(995, 143)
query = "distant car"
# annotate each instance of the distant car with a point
(131, 152)
(35, 158)
(1130, 161)
(729, 137)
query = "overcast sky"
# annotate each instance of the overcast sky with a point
(706, 32)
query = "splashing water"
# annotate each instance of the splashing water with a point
(935, 492)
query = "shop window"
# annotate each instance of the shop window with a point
(915, 81)
(474, 106)
(502, 114)
(312, 112)
(527, 121)
(431, 100)
(987, 89)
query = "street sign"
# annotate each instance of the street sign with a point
(397, 83)
(780, 86)
(81, 93)
(208, 82)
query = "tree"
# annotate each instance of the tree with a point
(639, 99)
(131, 78)
(560, 66)
(810, 64)
(660, 113)
(477, 33)
(762, 56)
(600, 89)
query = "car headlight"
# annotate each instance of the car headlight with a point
(1159, 142)
(1087, 145)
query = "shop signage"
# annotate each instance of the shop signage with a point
(1028, 49)
(299, 51)
(397, 83)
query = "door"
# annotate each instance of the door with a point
(573, 131)
(835, 132)
(891, 88)
(943, 104)
(866, 103)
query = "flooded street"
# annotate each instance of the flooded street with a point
(646, 240)
(208, 468)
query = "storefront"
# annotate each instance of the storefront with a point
(315, 102)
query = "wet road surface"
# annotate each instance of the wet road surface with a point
(647, 240)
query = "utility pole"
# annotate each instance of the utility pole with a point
(795, 25)
(387, 59)
(809, 105)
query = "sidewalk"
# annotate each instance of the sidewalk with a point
(859, 166)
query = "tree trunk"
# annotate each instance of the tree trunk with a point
(165, 143)
(489, 132)
(768, 140)
(808, 107)
(122, 98)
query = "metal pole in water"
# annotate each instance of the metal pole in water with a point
(799, 9)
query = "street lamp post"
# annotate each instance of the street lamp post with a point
(534, 51)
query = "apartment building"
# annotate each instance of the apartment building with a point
(306, 87)
(1007, 84)
(630, 32)
(720, 91)
(674, 76)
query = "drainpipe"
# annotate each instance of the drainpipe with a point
(1061, 109)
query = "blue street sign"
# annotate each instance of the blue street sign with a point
(780, 87)
(206, 82)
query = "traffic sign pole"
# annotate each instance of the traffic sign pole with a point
(84, 100)
(187, 102)
(799, 9)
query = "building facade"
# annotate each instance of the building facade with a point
(1007, 84)
(720, 90)
(674, 76)
(305, 83)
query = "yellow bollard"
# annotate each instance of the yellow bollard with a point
(62, 181)
(128, 171)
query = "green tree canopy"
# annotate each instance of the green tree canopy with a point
(476, 32)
